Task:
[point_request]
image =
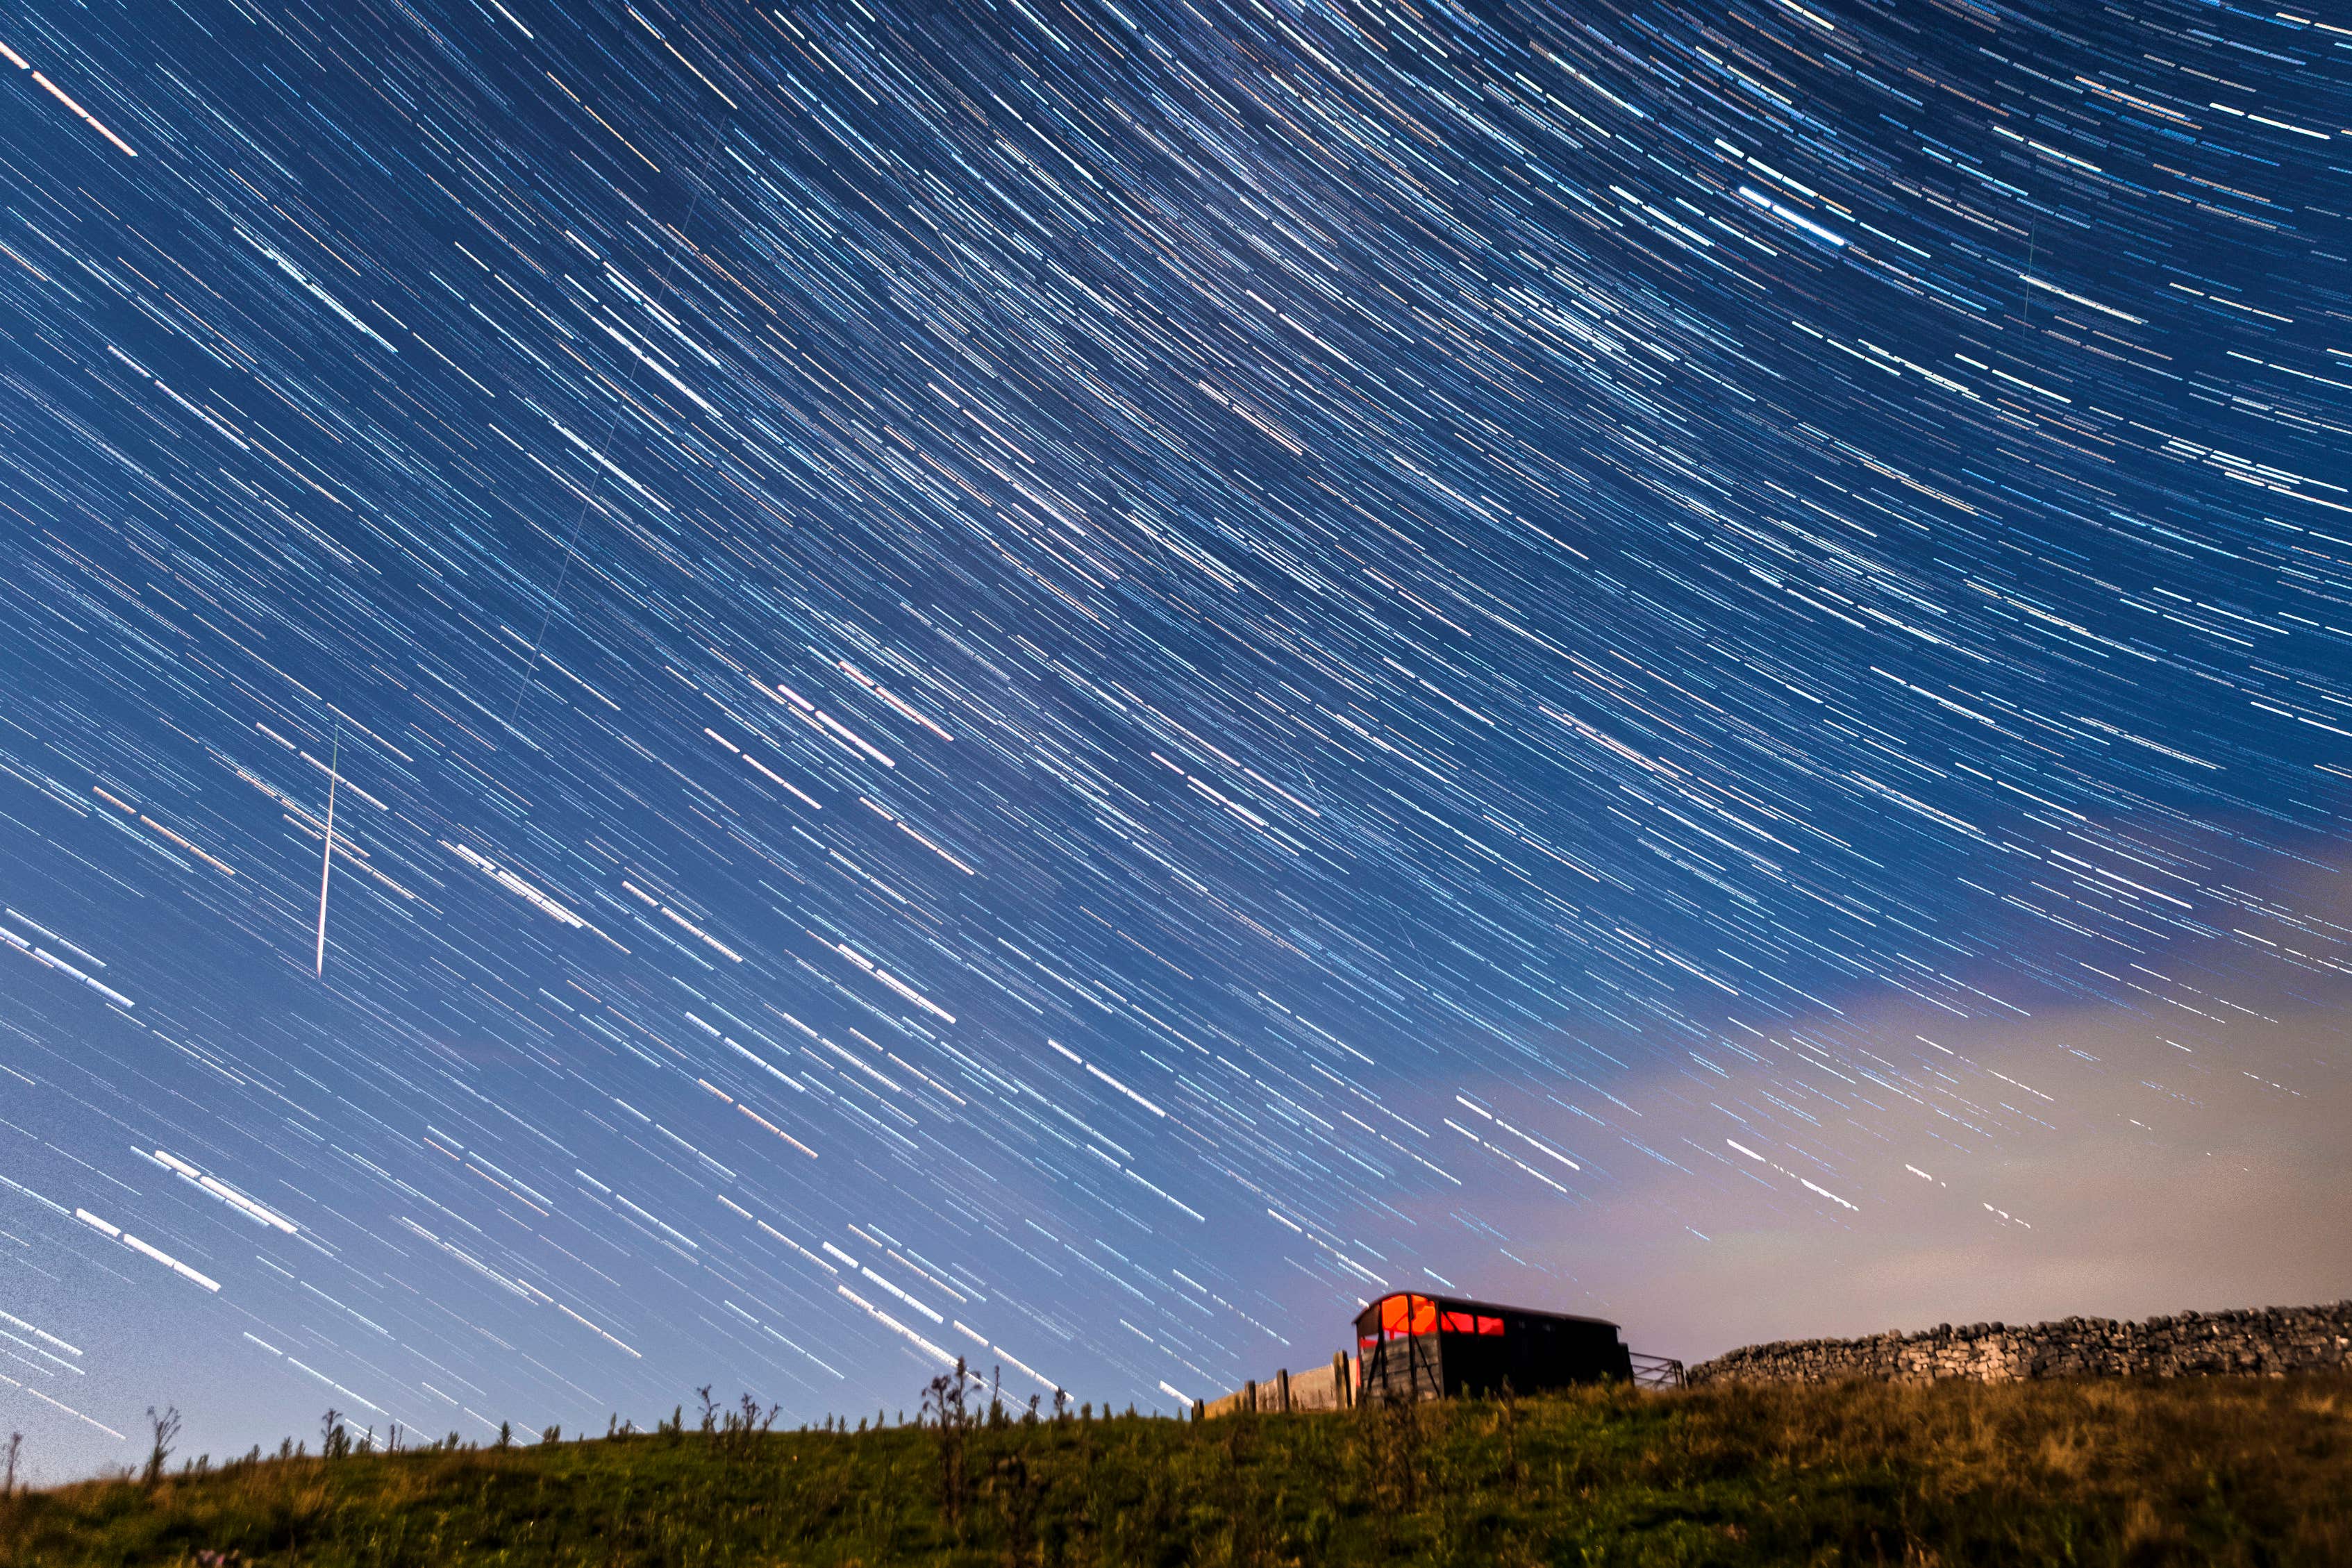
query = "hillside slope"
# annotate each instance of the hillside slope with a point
(2222, 1470)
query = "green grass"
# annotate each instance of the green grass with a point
(2210, 1470)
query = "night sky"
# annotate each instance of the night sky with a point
(1074, 681)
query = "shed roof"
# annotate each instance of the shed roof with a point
(1496, 1309)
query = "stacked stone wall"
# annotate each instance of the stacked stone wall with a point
(2263, 1341)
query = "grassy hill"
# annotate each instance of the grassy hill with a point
(2210, 1470)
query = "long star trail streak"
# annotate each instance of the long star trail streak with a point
(1235, 653)
(327, 851)
(572, 540)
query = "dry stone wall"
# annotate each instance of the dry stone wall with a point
(2266, 1340)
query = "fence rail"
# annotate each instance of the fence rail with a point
(1656, 1371)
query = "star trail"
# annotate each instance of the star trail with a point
(766, 694)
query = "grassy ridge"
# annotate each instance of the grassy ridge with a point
(2220, 1470)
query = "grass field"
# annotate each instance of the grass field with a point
(2208, 1470)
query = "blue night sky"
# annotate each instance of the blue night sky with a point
(1073, 683)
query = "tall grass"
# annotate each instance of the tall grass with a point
(2210, 1470)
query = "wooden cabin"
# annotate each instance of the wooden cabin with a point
(1411, 1346)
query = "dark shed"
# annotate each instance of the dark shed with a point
(1429, 1347)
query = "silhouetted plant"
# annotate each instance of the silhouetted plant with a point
(944, 1408)
(165, 1428)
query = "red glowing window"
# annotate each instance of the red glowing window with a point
(1456, 1324)
(1404, 1315)
(1490, 1325)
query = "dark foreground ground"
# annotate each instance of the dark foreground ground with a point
(2211, 1470)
